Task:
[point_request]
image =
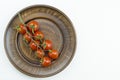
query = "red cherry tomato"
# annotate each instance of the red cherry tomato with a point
(46, 61)
(38, 35)
(33, 26)
(27, 37)
(53, 54)
(40, 53)
(47, 45)
(21, 29)
(34, 45)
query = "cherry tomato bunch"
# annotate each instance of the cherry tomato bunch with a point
(43, 49)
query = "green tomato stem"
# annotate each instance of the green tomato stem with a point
(21, 20)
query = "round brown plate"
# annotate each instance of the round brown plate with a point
(55, 25)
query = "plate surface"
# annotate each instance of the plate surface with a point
(56, 26)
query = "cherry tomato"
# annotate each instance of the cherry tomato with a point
(53, 54)
(34, 45)
(27, 37)
(33, 26)
(46, 61)
(47, 45)
(21, 29)
(38, 35)
(39, 53)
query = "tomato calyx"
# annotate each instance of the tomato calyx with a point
(47, 45)
(44, 46)
(49, 50)
(32, 27)
(38, 35)
(25, 40)
(18, 28)
(41, 60)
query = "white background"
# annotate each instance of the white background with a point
(97, 25)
